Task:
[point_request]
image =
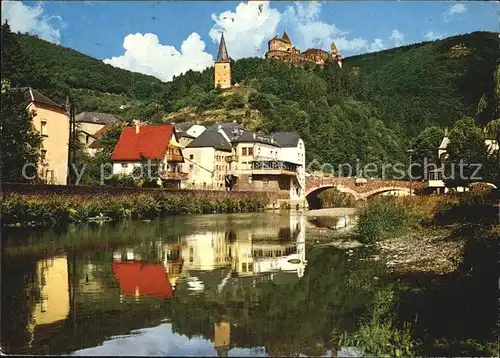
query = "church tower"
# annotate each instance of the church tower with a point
(223, 66)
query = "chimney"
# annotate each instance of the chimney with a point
(254, 136)
(137, 127)
(234, 120)
(446, 131)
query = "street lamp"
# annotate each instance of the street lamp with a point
(409, 151)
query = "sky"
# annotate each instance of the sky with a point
(165, 38)
(162, 341)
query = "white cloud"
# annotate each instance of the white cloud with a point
(431, 35)
(32, 19)
(246, 29)
(307, 31)
(145, 54)
(397, 37)
(376, 45)
(454, 10)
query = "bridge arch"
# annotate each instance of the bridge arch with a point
(312, 195)
(379, 191)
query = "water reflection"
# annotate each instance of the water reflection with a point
(235, 285)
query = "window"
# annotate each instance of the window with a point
(243, 267)
(250, 267)
(43, 155)
(191, 156)
(250, 151)
(43, 128)
(191, 167)
(243, 151)
(124, 165)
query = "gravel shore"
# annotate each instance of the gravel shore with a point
(332, 212)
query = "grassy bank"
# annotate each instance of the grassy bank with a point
(58, 209)
(452, 312)
(387, 217)
(377, 334)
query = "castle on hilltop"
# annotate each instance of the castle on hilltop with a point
(279, 48)
(283, 49)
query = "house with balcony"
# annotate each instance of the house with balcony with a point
(268, 162)
(158, 143)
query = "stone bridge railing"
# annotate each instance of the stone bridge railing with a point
(359, 188)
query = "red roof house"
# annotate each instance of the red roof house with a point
(143, 278)
(150, 141)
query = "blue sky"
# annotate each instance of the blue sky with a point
(167, 38)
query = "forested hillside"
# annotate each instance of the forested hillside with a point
(368, 111)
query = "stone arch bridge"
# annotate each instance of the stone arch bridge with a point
(360, 188)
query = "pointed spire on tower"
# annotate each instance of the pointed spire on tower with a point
(222, 55)
(286, 38)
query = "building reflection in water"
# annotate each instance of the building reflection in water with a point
(222, 336)
(250, 252)
(137, 278)
(54, 304)
(246, 253)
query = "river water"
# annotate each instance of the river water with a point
(239, 284)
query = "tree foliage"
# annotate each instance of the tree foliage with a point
(20, 143)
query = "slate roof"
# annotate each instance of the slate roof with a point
(228, 128)
(182, 127)
(222, 55)
(36, 97)
(151, 142)
(210, 139)
(95, 117)
(252, 137)
(287, 139)
(286, 38)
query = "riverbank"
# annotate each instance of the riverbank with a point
(441, 256)
(24, 210)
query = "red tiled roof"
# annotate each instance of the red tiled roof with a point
(151, 142)
(149, 279)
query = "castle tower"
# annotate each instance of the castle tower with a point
(223, 66)
(335, 54)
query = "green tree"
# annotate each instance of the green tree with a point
(148, 173)
(235, 101)
(20, 143)
(425, 148)
(467, 152)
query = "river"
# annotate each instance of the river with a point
(230, 285)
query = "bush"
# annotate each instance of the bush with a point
(235, 101)
(382, 218)
(465, 208)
